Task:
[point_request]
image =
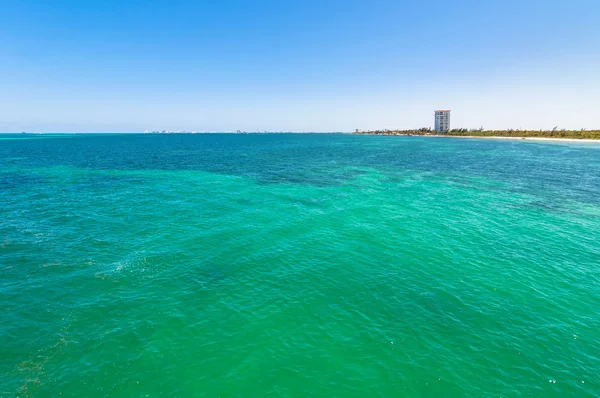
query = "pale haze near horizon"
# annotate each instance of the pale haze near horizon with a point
(315, 66)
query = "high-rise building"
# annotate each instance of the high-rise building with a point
(442, 121)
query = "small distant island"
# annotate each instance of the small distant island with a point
(555, 133)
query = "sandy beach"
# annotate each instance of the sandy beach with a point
(520, 138)
(552, 139)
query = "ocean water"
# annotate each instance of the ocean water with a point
(322, 265)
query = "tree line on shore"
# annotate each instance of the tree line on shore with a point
(554, 133)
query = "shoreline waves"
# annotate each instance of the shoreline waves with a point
(553, 139)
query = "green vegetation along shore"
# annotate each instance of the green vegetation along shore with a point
(555, 133)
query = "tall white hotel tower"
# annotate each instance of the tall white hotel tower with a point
(442, 121)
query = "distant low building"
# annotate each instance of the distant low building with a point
(442, 121)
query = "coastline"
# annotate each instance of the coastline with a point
(521, 138)
(552, 139)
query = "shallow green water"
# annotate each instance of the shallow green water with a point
(298, 265)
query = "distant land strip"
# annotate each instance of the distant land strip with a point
(555, 133)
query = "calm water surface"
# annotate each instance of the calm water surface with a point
(298, 265)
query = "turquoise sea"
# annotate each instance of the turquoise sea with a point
(298, 265)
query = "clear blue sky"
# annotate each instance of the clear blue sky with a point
(304, 65)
